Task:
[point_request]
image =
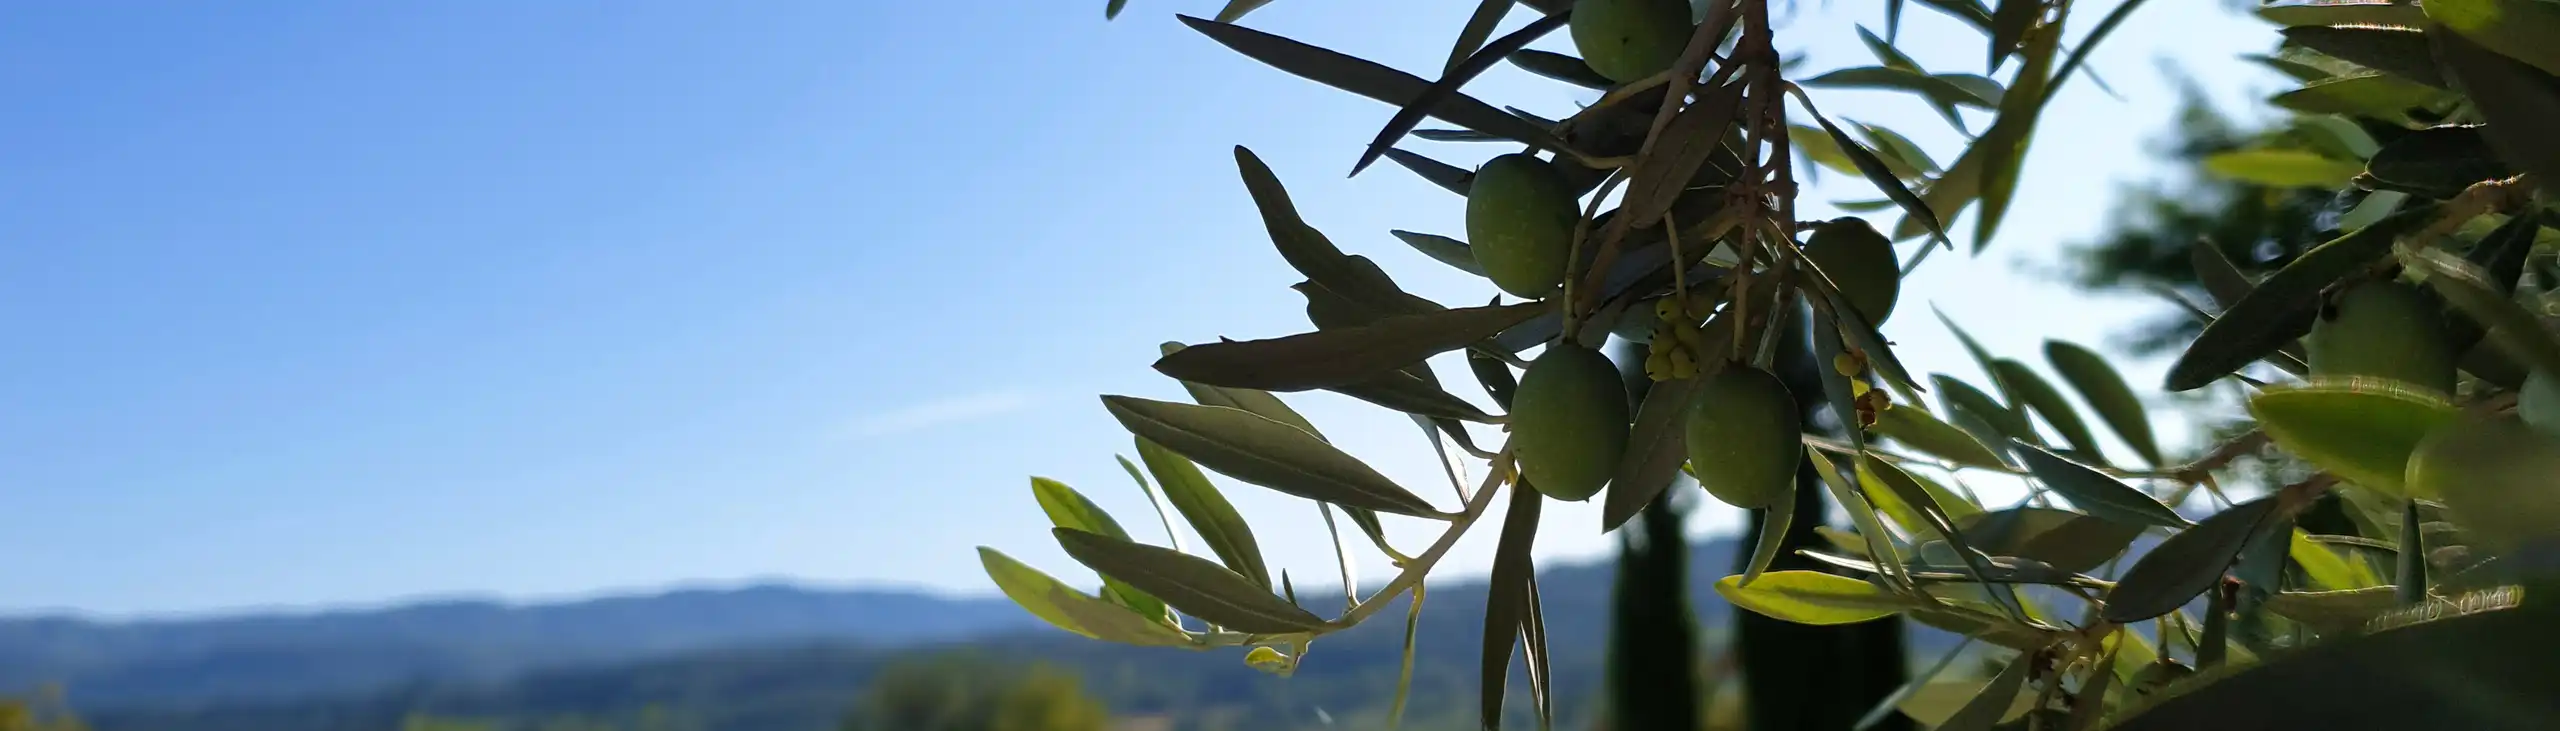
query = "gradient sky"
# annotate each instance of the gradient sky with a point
(331, 304)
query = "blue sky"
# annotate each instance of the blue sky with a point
(329, 304)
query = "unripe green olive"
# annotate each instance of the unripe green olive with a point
(1745, 437)
(2383, 330)
(1520, 216)
(1627, 40)
(1861, 262)
(1569, 422)
(2500, 478)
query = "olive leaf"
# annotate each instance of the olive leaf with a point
(1835, 385)
(1914, 206)
(2477, 670)
(2517, 29)
(2398, 51)
(2281, 307)
(2185, 565)
(2047, 402)
(1354, 278)
(1964, 401)
(1191, 584)
(1694, 133)
(2099, 385)
(1236, 9)
(1877, 542)
(1480, 26)
(1400, 390)
(1070, 509)
(1207, 511)
(2094, 491)
(1260, 451)
(1164, 515)
(2062, 539)
(2010, 20)
(2004, 145)
(2281, 168)
(2342, 12)
(1460, 72)
(1342, 356)
(1443, 249)
(2360, 429)
(2519, 101)
(1071, 610)
(1449, 177)
(1774, 522)
(2223, 281)
(1916, 428)
(2514, 329)
(1812, 597)
(2330, 612)
(1998, 697)
(1261, 403)
(1560, 67)
(1372, 80)
(1937, 90)
(2371, 94)
(1507, 604)
(1656, 447)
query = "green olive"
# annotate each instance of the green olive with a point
(1569, 422)
(1520, 217)
(1861, 262)
(1745, 437)
(2500, 478)
(1627, 40)
(2383, 330)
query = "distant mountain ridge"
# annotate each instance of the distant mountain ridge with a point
(276, 656)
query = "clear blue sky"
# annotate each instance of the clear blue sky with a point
(328, 303)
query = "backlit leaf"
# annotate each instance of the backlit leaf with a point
(1412, 110)
(1340, 356)
(1774, 521)
(1656, 446)
(1812, 597)
(1207, 511)
(2519, 29)
(2063, 539)
(2185, 565)
(1998, 697)
(1561, 68)
(2521, 103)
(2036, 394)
(2331, 612)
(1260, 451)
(1191, 584)
(1916, 428)
(1070, 509)
(2509, 325)
(2342, 12)
(2378, 95)
(2105, 391)
(2400, 52)
(1369, 79)
(1507, 598)
(2282, 168)
(2360, 429)
(1072, 610)
(2094, 492)
(1443, 249)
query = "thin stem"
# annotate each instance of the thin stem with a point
(1421, 565)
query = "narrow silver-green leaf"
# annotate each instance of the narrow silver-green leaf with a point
(2094, 491)
(1341, 356)
(1910, 80)
(1561, 68)
(1449, 177)
(1914, 427)
(1260, 451)
(1962, 400)
(2047, 402)
(1071, 610)
(2510, 325)
(1404, 673)
(1881, 175)
(1372, 80)
(1402, 391)
(2060, 538)
(2360, 429)
(2185, 565)
(1813, 597)
(1507, 600)
(1207, 511)
(1261, 403)
(2098, 384)
(1353, 278)
(1656, 446)
(1194, 585)
(1070, 509)
(1480, 26)
(1458, 74)
(1443, 249)
(1774, 522)
(1993, 703)
(1164, 514)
